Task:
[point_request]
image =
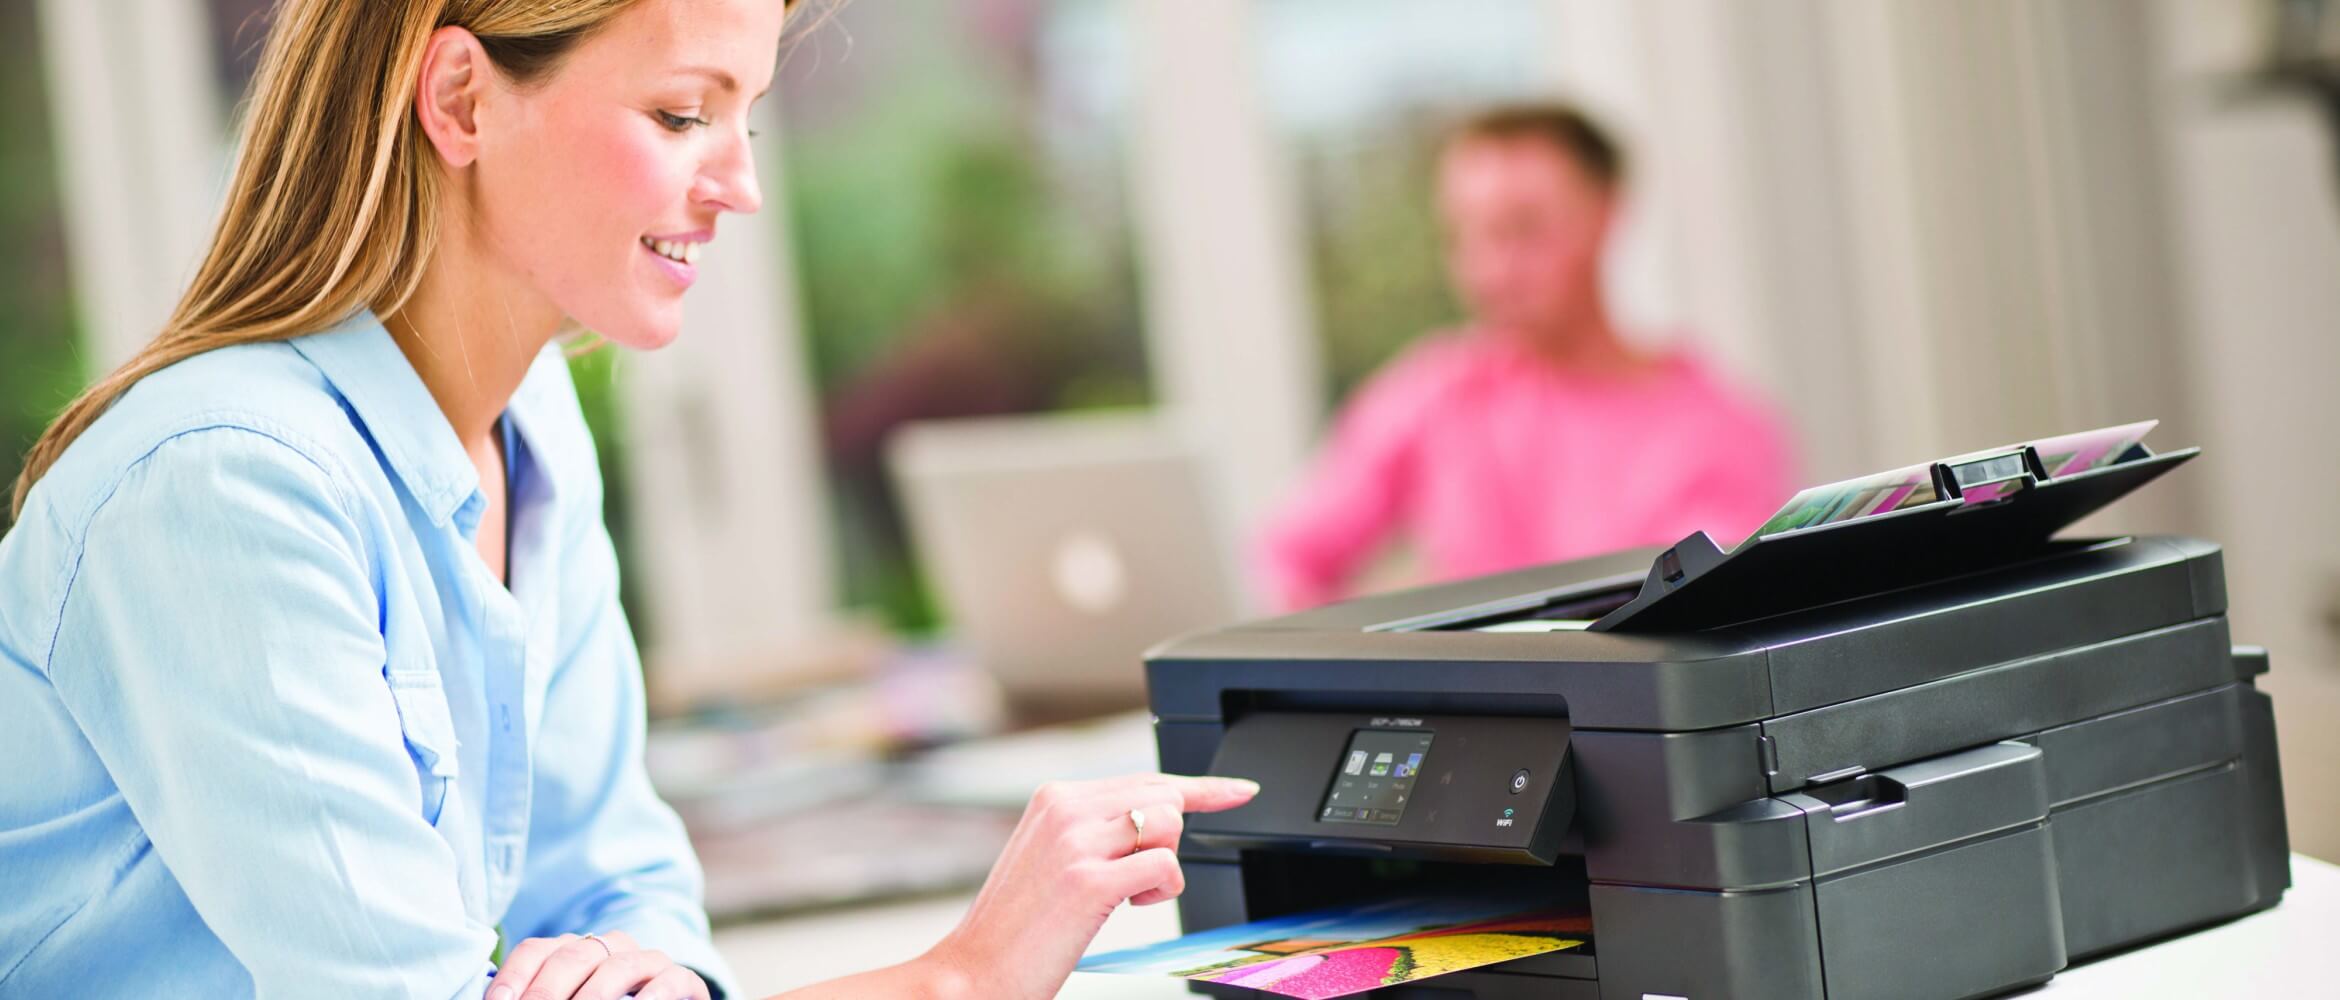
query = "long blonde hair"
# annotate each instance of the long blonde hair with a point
(333, 203)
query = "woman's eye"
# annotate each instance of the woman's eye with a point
(678, 123)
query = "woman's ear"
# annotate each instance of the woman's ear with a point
(456, 76)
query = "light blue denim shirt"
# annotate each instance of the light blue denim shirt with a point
(271, 728)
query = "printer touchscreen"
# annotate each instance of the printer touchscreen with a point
(1376, 776)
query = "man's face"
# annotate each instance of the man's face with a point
(1525, 228)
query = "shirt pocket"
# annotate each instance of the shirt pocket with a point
(430, 736)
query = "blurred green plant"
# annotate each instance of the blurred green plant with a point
(40, 368)
(1373, 236)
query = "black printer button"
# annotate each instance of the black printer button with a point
(1519, 782)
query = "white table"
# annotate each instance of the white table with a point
(2290, 951)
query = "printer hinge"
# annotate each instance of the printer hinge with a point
(1766, 755)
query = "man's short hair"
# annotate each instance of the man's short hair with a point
(1567, 128)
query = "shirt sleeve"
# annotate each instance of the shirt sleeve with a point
(604, 852)
(1352, 495)
(219, 644)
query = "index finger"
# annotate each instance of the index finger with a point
(1211, 794)
(1193, 793)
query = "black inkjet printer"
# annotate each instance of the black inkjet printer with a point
(1929, 752)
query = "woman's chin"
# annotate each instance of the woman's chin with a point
(643, 333)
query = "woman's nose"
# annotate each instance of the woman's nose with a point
(730, 182)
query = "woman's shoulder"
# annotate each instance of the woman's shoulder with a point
(233, 442)
(273, 406)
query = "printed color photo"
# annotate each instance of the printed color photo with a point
(1348, 950)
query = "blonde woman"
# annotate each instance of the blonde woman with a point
(313, 680)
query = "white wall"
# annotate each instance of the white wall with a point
(2261, 253)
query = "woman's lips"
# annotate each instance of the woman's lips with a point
(682, 272)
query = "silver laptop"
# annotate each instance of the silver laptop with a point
(1062, 547)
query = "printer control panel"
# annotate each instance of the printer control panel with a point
(1483, 788)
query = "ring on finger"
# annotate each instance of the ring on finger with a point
(1137, 819)
(606, 950)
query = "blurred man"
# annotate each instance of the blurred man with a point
(1534, 433)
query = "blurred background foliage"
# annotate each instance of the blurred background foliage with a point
(40, 366)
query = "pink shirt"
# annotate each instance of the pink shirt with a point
(1491, 458)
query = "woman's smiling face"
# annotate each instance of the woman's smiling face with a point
(600, 185)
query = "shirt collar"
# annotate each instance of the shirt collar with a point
(366, 367)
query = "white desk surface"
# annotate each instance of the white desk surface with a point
(2289, 951)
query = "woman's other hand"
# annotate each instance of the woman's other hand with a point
(1074, 857)
(601, 967)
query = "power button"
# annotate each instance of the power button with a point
(1519, 781)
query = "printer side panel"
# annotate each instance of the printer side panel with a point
(2168, 817)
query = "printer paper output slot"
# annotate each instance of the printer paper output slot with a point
(1569, 613)
(1571, 608)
